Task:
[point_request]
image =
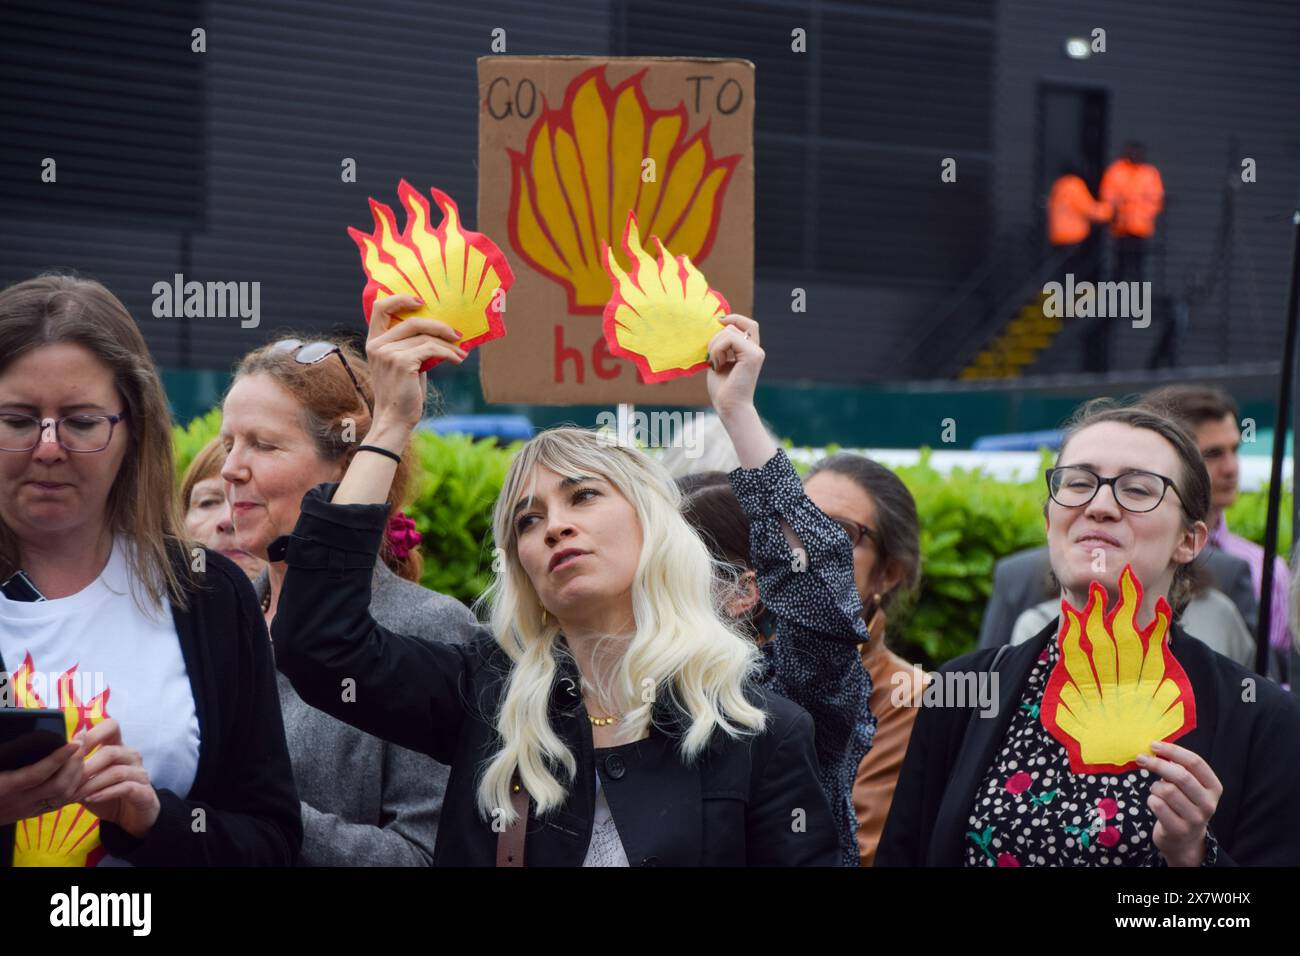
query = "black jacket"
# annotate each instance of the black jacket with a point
(1252, 745)
(244, 782)
(753, 800)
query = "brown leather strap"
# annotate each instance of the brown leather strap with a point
(510, 841)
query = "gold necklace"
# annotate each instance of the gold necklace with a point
(604, 721)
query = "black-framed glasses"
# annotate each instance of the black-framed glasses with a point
(855, 531)
(313, 353)
(1137, 491)
(80, 434)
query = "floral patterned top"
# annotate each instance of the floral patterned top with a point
(1031, 810)
(813, 659)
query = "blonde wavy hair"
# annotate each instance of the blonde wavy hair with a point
(683, 645)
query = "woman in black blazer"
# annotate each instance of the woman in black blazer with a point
(609, 715)
(995, 787)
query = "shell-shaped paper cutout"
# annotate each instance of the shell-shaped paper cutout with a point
(462, 276)
(68, 836)
(604, 152)
(1115, 688)
(662, 315)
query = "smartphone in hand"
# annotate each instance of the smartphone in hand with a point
(27, 736)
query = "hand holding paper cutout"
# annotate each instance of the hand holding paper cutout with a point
(736, 359)
(1115, 688)
(661, 316)
(1183, 800)
(461, 276)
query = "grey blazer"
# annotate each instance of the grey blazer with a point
(1020, 582)
(366, 802)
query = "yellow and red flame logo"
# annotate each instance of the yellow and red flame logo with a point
(1115, 688)
(68, 836)
(604, 152)
(662, 315)
(462, 276)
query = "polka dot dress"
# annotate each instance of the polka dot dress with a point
(816, 616)
(1031, 810)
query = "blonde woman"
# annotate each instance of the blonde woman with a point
(609, 714)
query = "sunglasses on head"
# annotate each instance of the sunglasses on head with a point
(313, 353)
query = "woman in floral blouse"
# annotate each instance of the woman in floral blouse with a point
(995, 787)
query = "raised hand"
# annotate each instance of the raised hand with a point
(735, 359)
(395, 350)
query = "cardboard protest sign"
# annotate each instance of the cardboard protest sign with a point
(568, 146)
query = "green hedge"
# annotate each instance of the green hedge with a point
(968, 521)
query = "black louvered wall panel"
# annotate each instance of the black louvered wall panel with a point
(289, 89)
(225, 165)
(1185, 76)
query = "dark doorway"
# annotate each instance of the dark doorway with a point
(1072, 126)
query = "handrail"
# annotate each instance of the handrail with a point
(1009, 246)
(963, 353)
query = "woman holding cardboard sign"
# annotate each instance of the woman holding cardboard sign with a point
(1114, 743)
(609, 714)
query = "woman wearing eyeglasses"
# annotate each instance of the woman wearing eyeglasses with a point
(1129, 488)
(152, 648)
(819, 645)
(293, 418)
(878, 513)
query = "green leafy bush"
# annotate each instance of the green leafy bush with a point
(189, 441)
(458, 481)
(1249, 513)
(968, 520)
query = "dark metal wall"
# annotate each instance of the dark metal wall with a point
(288, 91)
(1188, 77)
(226, 165)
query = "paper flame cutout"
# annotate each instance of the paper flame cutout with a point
(582, 171)
(462, 276)
(68, 836)
(1115, 688)
(662, 315)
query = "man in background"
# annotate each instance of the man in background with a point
(1133, 189)
(1211, 415)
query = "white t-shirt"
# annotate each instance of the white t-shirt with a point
(96, 654)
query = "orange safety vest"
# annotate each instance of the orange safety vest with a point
(1071, 211)
(1137, 194)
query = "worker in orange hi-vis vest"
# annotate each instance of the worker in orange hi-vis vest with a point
(1133, 187)
(1071, 211)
